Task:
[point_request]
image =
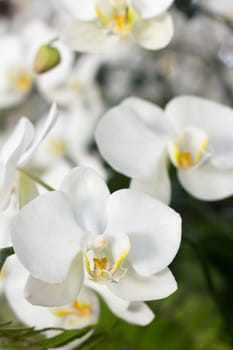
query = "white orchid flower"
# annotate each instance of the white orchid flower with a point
(115, 244)
(100, 24)
(18, 150)
(137, 137)
(16, 77)
(76, 86)
(18, 51)
(82, 312)
(79, 314)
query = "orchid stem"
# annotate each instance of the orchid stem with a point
(36, 179)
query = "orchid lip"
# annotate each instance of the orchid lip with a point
(119, 20)
(100, 265)
(189, 149)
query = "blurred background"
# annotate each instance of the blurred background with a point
(199, 60)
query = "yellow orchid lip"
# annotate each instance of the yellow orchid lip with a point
(119, 22)
(185, 160)
(57, 147)
(101, 269)
(22, 81)
(189, 148)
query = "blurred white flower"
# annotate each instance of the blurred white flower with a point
(18, 150)
(82, 312)
(113, 243)
(16, 76)
(67, 145)
(18, 51)
(137, 137)
(101, 24)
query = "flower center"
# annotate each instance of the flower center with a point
(189, 148)
(76, 315)
(79, 309)
(21, 80)
(116, 18)
(101, 264)
(57, 147)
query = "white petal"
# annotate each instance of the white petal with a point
(153, 228)
(46, 237)
(127, 144)
(87, 37)
(148, 8)
(152, 115)
(115, 303)
(134, 287)
(81, 10)
(207, 182)
(213, 118)
(16, 278)
(41, 134)
(154, 34)
(41, 293)
(19, 141)
(159, 187)
(88, 194)
(10, 154)
(137, 313)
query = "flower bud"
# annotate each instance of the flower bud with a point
(46, 59)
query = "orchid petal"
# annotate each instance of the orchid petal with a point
(88, 194)
(153, 228)
(159, 187)
(80, 10)
(154, 34)
(148, 8)
(41, 293)
(87, 37)
(207, 182)
(41, 134)
(46, 237)
(127, 143)
(134, 287)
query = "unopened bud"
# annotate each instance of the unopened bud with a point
(47, 58)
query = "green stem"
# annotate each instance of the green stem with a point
(208, 278)
(36, 179)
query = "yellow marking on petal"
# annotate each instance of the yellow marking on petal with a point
(184, 160)
(82, 309)
(22, 81)
(57, 147)
(87, 264)
(77, 309)
(120, 261)
(62, 312)
(118, 23)
(105, 21)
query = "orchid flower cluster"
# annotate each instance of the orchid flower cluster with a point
(72, 240)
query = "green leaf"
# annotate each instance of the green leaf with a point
(27, 190)
(63, 338)
(4, 253)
